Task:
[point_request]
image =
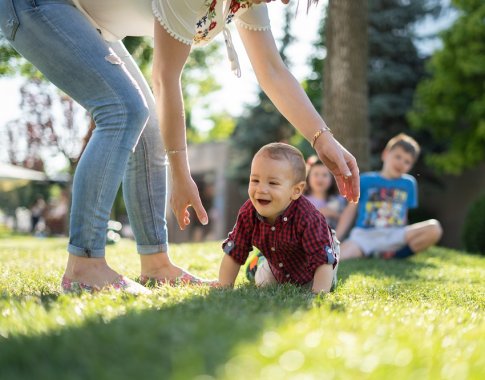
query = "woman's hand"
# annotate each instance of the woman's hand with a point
(342, 165)
(184, 195)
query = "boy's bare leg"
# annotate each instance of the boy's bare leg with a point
(422, 235)
(350, 250)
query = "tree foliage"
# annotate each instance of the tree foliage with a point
(48, 127)
(450, 104)
(395, 67)
(472, 234)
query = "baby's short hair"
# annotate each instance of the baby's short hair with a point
(278, 151)
(407, 143)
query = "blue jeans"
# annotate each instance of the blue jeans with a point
(126, 145)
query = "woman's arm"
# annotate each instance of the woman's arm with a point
(169, 59)
(291, 100)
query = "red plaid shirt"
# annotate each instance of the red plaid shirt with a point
(295, 246)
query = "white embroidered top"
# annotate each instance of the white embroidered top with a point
(193, 22)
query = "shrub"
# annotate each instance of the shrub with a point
(474, 228)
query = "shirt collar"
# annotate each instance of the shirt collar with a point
(285, 216)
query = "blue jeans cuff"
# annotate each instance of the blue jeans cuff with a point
(151, 249)
(85, 252)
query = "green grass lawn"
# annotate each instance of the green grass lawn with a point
(417, 319)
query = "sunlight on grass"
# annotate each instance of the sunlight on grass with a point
(415, 319)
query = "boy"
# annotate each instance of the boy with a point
(381, 228)
(290, 232)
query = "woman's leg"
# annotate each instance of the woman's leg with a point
(145, 186)
(58, 39)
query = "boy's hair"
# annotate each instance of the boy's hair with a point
(407, 143)
(278, 151)
(311, 162)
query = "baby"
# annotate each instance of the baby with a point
(293, 237)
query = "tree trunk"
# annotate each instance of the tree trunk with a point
(345, 102)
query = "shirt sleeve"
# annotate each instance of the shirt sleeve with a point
(317, 244)
(239, 241)
(178, 17)
(255, 18)
(413, 193)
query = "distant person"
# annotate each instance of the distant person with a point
(37, 212)
(381, 229)
(293, 237)
(321, 190)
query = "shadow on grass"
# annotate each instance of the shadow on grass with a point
(401, 270)
(178, 341)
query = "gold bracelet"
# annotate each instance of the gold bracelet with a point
(175, 151)
(319, 133)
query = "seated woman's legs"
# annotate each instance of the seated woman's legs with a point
(64, 46)
(145, 186)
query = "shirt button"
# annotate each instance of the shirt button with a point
(288, 275)
(273, 228)
(280, 265)
(285, 219)
(273, 249)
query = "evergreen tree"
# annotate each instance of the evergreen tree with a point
(451, 104)
(395, 67)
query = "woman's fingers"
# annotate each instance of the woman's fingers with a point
(348, 180)
(200, 211)
(354, 181)
(343, 166)
(182, 213)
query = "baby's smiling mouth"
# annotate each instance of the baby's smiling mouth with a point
(264, 202)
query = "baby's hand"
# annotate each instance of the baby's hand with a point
(215, 284)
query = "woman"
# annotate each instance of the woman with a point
(63, 40)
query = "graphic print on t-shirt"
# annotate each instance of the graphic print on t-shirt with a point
(385, 207)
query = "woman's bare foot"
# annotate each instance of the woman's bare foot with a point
(158, 266)
(94, 272)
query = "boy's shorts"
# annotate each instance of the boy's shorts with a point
(375, 240)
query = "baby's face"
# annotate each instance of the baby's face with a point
(272, 186)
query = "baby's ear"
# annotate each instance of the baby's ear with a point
(298, 189)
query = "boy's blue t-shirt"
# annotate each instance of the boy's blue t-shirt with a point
(385, 202)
